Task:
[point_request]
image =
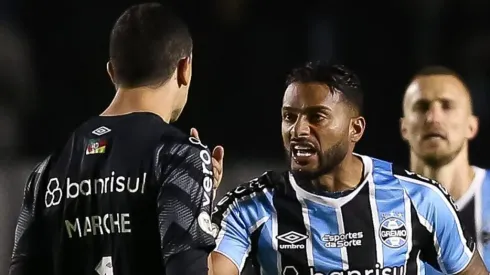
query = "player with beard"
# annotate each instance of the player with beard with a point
(336, 212)
(127, 193)
(438, 123)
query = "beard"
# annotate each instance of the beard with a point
(327, 160)
(439, 160)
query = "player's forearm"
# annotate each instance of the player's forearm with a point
(475, 267)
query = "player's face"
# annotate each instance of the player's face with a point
(315, 128)
(437, 120)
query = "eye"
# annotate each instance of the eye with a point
(447, 105)
(421, 107)
(289, 117)
(317, 117)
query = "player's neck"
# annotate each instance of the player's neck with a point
(345, 176)
(455, 176)
(142, 99)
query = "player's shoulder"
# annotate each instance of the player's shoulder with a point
(482, 175)
(33, 184)
(417, 185)
(414, 184)
(182, 146)
(267, 182)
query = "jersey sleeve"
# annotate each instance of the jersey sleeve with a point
(27, 255)
(454, 247)
(185, 199)
(450, 248)
(233, 240)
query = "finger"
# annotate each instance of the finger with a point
(217, 173)
(217, 167)
(194, 133)
(219, 153)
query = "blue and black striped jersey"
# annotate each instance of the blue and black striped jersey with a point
(123, 196)
(391, 224)
(474, 208)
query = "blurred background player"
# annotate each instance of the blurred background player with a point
(336, 212)
(128, 193)
(438, 123)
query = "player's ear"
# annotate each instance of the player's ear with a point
(357, 127)
(110, 71)
(184, 71)
(473, 126)
(403, 128)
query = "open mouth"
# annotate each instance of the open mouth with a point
(303, 150)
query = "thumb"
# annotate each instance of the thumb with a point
(194, 133)
(219, 153)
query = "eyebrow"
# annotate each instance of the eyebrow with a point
(427, 101)
(307, 109)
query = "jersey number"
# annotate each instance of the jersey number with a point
(105, 266)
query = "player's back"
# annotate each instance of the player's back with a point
(98, 197)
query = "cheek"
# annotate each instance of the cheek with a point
(458, 130)
(328, 137)
(286, 136)
(414, 126)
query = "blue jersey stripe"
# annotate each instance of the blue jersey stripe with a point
(483, 228)
(390, 202)
(267, 257)
(236, 227)
(450, 242)
(324, 227)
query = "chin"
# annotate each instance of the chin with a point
(310, 167)
(437, 159)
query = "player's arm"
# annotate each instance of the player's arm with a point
(233, 241)
(455, 251)
(27, 256)
(184, 206)
(475, 267)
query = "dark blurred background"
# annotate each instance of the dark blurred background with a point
(53, 56)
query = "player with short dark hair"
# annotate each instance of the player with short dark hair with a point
(127, 193)
(438, 123)
(336, 212)
(146, 45)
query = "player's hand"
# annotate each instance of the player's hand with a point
(218, 155)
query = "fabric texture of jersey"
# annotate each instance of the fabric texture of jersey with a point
(474, 207)
(122, 196)
(391, 224)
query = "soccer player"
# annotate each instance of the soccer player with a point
(438, 123)
(127, 193)
(336, 212)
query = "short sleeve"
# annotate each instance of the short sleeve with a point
(185, 199)
(28, 252)
(453, 247)
(233, 240)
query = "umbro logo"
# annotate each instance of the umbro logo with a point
(291, 238)
(101, 131)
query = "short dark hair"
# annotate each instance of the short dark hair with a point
(146, 44)
(338, 78)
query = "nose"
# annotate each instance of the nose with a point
(301, 128)
(435, 113)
